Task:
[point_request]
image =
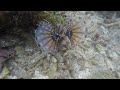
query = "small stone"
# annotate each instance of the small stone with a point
(100, 49)
(115, 55)
(48, 57)
(90, 63)
(87, 64)
(59, 57)
(118, 52)
(54, 60)
(61, 66)
(19, 60)
(93, 62)
(19, 51)
(28, 49)
(45, 64)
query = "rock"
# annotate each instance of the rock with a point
(99, 59)
(4, 55)
(38, 75)
(81, 63)
(118, 73)
(11, 77)
(107, 74)
(51, 72)
(63, 74)
(20, 72)
(4, 73)
(8, 40)
(113, 55)
(109, 64)
(82, 74)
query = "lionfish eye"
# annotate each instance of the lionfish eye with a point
(68, 33)
(55, 36)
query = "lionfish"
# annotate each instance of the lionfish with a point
(50, 38)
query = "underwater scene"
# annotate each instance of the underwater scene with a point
(59, 44)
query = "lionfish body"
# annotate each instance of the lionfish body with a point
(50, 38)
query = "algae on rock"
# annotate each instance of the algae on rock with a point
(54, 17)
